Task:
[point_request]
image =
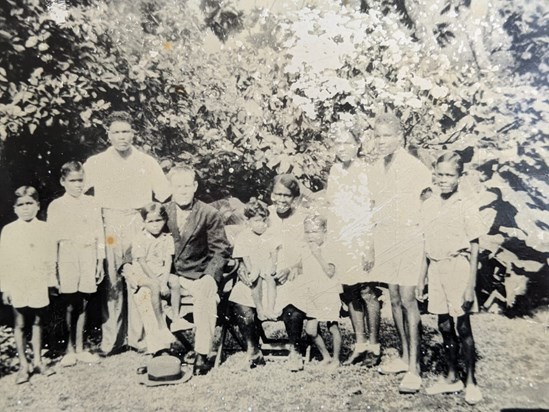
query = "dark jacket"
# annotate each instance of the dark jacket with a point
(202, 247)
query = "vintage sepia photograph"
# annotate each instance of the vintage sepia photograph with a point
(291, 205)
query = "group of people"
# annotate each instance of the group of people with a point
(390, 224)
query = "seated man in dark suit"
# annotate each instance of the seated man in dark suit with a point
(201, 252)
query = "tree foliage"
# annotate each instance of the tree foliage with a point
(245, 92)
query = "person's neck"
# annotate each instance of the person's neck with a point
(124, 154)
(446, 196)
(388, 159)
(347, 164)
(286, 214)
(188, 206)
(153, 235)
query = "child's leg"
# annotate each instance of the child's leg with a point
(36, 339)
(412, 321)
(80, 312)
(257, 296)
(468, 347)
(449, 340)
(270, 286)
(398, 317)
(20, 341)
(336, 339)
(356, 313)
(373, 309)
(175, 296)
(311, 328)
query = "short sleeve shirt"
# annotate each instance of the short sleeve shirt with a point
(77, 220)
(258, 248)
(125, 183)
(450, 225)
(397, 191)
(155, 250)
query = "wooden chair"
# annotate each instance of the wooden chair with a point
(224, 313)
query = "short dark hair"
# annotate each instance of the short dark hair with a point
(451, 157)
(255, 208)
(27, 191)
(154, 207)
(118, 116)
(289, 181)
(72, 166)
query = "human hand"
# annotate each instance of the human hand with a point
(6, 298)
(164, 289)
(368, 259)
(468, 300)
(420, 296)
(99, 272)
(281, 276)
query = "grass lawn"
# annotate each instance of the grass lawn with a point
(513, 371)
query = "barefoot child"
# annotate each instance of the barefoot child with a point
(452, 227)
(149, 278)
(27, 254)
(322, 288)
(255, 249)
(349, 226)
(77, 228)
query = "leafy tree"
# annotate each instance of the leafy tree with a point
(244, 91)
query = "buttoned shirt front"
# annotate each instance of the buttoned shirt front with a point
(450, 225)
(77, 219)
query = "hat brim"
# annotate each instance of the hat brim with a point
(187, 374)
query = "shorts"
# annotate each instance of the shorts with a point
(76, 266)
(354, 292)
(447, 283)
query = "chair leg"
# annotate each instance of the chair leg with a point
(219, 355)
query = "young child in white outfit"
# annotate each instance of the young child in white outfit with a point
(452, 226)
(77, 228)
(150, 279)
(322, 287)
(258, 251)
(27, 254)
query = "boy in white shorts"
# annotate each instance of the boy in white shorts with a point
(452, 226)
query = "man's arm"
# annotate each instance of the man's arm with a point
(218, 245)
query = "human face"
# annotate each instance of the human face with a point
(388, 139)
(258, 224)
(154, 223)
(183, 186)
(346, 148)
(121, 136)
(282, 198)
(73, 183)
(26, 208)
(314, 235)
(446, 177)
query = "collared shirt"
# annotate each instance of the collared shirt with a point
(125, 183)
(77, 219)
(450, 225)
(396, 191)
